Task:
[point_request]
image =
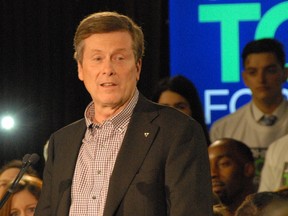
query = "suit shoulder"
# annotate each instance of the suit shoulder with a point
(173, 117)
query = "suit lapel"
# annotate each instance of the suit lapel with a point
(137, 142)
(74, 141)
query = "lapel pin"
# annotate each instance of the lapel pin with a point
(146, 134)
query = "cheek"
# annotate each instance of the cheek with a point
(248, 82)
(229, 174)
(131, 74)
(188, 111)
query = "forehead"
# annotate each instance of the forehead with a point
(22, 199)
(219, 151)
(9, 174)
(171, 97)
(119, 39)
(260, 59)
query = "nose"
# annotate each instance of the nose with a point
(108, 68)
(213, 170)
(262, 77)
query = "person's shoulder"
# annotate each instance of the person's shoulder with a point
(166, 113)
(147, 105)
(280, 144)
(237, 115)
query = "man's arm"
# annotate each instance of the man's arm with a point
(188, 174)
(44, 204)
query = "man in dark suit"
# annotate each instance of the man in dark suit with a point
(128, 156)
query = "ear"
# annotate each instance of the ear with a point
(80, 70)
(138, 68)
(244, 77)
(249, 170)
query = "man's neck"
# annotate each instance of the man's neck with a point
(240, 198)
(267, 107)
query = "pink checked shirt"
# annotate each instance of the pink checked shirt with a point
(96, 160)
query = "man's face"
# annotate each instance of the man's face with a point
(109, 69)
(227, 174)
(264, 75)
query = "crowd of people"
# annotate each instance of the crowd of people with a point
(131, 156)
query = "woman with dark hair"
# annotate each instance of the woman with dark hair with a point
(180, 93)
(24, 197)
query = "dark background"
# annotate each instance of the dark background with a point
(39, 84)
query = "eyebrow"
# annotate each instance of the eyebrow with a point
(224, 155)
(31, 205)
(117, 50)
(268, 66)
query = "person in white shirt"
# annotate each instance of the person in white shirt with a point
(264, 74)
(275, 171)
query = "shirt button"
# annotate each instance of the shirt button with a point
(98, 172)
(93, 197)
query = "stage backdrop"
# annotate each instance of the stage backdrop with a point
(206, 40)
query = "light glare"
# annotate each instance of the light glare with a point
(7, 122)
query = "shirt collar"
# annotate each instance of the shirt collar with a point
(120, 120)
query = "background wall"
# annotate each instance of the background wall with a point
(39, 84)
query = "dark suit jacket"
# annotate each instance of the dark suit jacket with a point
(162, 167)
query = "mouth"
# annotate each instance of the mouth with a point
(107, 84)
(263, 88)
(217, 186)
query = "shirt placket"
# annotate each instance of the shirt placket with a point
(99, 170)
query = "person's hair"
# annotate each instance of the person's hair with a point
(18, 165)
(30, 183)
(105, 22)
(255, 204)
(241, 148)
(265, 45)
(184, 87)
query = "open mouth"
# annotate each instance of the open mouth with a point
(107, 84)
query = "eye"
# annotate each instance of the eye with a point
(118, 57)
(3, 184)
(14, 213)
(224, 163)
(251, 72)
(272, 70)
(97, 58)
(31, 209)
(181, 106)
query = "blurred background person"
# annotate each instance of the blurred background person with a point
(265, 118)
(232, 171)
(219, 209)
(264, 204)
(24, 197)
(180, 93)
(10, 170)
(274, 174)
